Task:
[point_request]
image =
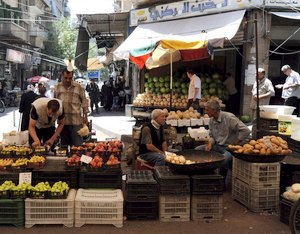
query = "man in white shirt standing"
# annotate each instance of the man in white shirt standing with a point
(194, 94)
(290, 89)
(265, 91)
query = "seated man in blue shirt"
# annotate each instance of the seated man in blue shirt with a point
(153, 141)
(224, 129)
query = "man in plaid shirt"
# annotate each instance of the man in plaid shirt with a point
(75, 105)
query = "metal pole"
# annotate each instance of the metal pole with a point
(14, 118)
(257, 89)
(171, 79)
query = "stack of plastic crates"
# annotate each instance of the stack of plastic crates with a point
(110, 178)
(207, 197)
(256, 185)
(55, 171)
(99, 207)
(141, 200)
(50, 211)
(12, 212)
(174, 195)
(285, 209)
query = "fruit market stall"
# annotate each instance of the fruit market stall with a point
(67, 186)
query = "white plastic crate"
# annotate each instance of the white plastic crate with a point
(184, 122)
(256, 199)
(174, 208)
(207, 207)
(256, 174)
(99, 207)
(197, 122)
(172, 122)
(50, 211)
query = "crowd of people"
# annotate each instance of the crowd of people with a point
(67, 105)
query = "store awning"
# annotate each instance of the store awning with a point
(191, 31)
(288, 15)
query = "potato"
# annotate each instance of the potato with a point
(263, 151)
(252, 142)
(281, 140)
(275, 141)
(239, 151)
(248, 151)
(258, 146)
(269, 151)
(256, 151)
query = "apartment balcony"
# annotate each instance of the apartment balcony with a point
(10, 31)
(37, 41)
(37, 36)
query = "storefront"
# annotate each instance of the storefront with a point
(215, 34)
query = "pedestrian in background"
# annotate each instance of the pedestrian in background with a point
(94, 94)
(265, 91)
(50, 92)
(75, 106)
(107, 95)
(290, 89)
(194, 93)
(42, 91)
(27, 99)
(232, 102)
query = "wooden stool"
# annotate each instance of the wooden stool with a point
(141, 164)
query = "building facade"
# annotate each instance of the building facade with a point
(272, 25)
(24, 27)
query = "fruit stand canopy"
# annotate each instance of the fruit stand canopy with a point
(184, 34)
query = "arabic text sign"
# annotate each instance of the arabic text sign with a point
(294, 3)
(184, 9)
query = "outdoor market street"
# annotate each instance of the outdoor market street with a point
(237, 219)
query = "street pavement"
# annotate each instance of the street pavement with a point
(237, 219)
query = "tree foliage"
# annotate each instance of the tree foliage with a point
(62, 39)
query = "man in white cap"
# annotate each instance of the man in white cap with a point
(290, 89)
(153, 141)
(265, 91)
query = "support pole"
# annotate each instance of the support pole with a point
(171, 79)
(257, 88)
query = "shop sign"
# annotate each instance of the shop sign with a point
(93, 74)
(15, 56)
(183, 9)
(282, 3)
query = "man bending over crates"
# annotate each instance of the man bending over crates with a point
(224, 129)
(153, 142)
(43, 115)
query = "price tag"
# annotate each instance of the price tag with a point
(86, 159)
(25, 177)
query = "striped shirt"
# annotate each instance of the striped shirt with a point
(74, 102)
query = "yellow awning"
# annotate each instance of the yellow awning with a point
(94, 64)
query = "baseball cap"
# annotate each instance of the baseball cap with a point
(285, 67)
(261, 70)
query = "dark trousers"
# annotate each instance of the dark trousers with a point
(94, 102)
(293, 101)
(194, 104)
(70, 136)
